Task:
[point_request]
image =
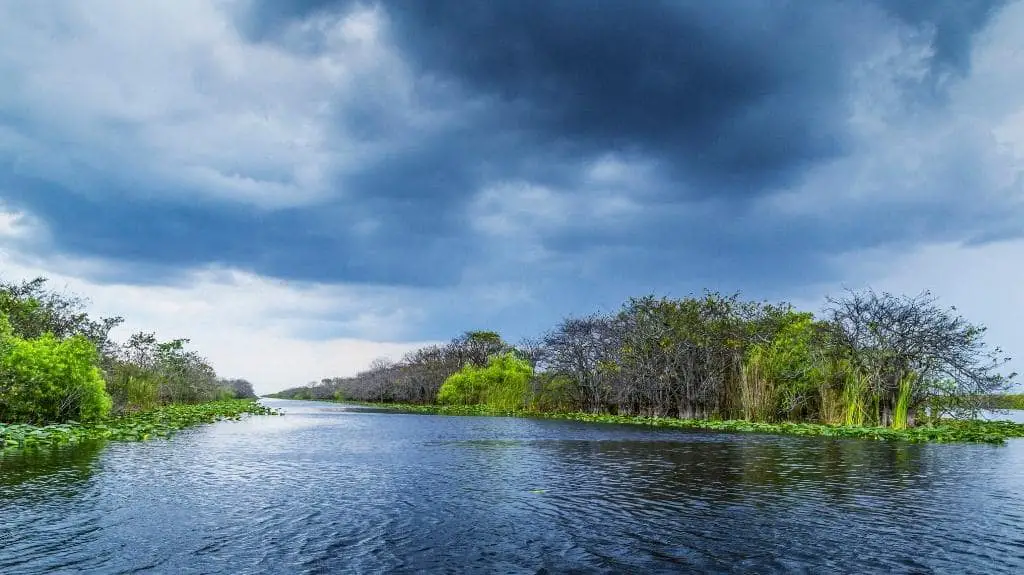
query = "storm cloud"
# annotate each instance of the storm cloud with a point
(546, 157)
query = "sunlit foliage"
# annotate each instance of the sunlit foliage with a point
(58, 364)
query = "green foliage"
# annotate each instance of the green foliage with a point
(854, 392)
(502, 384)
(781, 378)
(551, 392)
(463, 387)
(133, 388)
(159, 373)
(33, 311)
(48, 380)
(58, 363)
(946, 431)
(162, 422)
(899, 415)
(871, 360)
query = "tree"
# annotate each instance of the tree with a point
(580, 349)
(382, 376)
(33, 310)
(907, 350)
(502, 384)
(476, 347)
(239, 388)
(46, 380)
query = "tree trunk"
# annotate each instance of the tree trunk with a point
(885, 414)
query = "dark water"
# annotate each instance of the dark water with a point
(326, 490)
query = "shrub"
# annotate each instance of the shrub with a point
(503, 384)
(133, 388)
(49, 380)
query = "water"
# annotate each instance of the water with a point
(327, 489)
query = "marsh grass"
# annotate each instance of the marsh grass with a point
(161, 422)
(945, 431)
(899, 414)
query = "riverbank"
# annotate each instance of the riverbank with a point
(1007, 401)
(161, 422)
(948, 431)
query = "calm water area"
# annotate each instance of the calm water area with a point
(330, 488)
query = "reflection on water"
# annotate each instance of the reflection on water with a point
(329, 489)
(46, 472)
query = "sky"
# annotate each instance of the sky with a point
(301, 187)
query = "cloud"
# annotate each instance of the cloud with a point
(276, 334)
(158, 134)
(443, 167)
(981, 281)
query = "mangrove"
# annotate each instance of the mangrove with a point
(871, 364)
(64, 379)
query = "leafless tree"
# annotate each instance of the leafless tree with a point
(911, 341)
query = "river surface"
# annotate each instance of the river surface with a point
(335, 489)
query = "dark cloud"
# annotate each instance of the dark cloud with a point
(734, 99)
(730, 101)
(954, 23)
(298, 244)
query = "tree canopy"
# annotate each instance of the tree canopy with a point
(867, 359)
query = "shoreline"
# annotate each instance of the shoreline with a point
(161, 422)
(949, 431)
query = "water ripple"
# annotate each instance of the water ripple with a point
(329, 490)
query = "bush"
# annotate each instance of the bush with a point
(552, 392)
(133, 388)
(503, 384)
(48, 380)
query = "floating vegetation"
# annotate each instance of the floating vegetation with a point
(162, 422)
(945, 431)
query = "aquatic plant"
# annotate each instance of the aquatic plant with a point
(900, 410)
(162, 422)
(945, 431)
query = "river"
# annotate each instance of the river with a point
(329, 488)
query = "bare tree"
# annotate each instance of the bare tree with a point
(910, 345)
(580, 348)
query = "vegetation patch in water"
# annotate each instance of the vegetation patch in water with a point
(162, 422)
(945, 431)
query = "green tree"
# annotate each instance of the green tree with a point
(49, 380)
(34, 310)
(503, 384)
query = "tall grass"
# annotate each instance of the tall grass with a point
(899, 413)
(757, 390)
(854, 402)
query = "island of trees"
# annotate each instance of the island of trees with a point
(58, 364)
(869, 359)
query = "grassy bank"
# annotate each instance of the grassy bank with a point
(996, 432)
(1006, 401)
(161, 422)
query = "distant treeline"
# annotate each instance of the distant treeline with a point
(58, 364)
(869, 359)
(1005, 401)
